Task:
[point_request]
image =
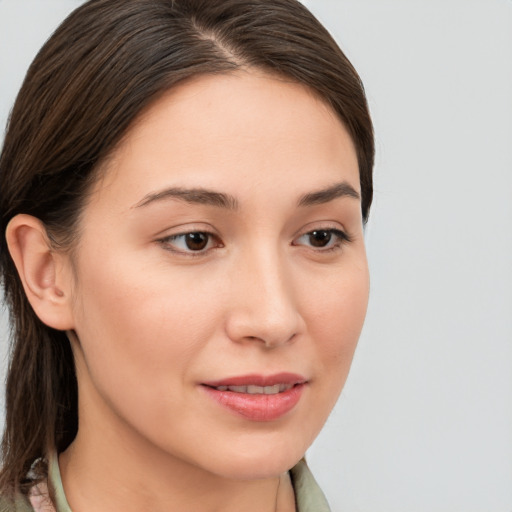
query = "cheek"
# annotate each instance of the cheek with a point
(338, 306)
(139, 322)
(336, 313)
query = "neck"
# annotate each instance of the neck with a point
(113, 473)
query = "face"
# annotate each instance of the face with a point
(220, 279)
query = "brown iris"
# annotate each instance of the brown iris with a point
(196, 241)
(320, 238)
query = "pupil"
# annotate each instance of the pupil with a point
(196, 241)
(320, 238)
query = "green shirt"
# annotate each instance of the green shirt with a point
(308, 496)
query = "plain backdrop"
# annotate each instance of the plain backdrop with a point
(425, 420)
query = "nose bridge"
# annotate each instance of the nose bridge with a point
(265, 308)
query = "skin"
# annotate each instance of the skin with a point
(154, 320)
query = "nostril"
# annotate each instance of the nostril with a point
(267, 316)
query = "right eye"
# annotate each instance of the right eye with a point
(194, 242)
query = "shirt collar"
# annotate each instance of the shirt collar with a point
(55, 480)
(308, 495)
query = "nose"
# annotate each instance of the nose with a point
(264, 305)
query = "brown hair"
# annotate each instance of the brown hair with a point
(104, 65)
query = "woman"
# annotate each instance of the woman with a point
(184, 187)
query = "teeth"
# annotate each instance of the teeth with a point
(271, 390)
(238, 389)
(257, 390)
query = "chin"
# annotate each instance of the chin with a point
(258, 458)
(256, 468)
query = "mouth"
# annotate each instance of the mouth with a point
(258, 398)
(257, 390)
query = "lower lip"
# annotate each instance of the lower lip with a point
(258, 407)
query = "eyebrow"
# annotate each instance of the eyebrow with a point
(222, 200)
(328, 194)
(192, 195)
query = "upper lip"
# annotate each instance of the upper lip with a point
(258, 380)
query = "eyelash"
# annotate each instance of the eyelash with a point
(340, 238)
(167, 242)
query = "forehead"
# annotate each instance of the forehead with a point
(241, 132)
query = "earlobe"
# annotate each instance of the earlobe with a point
(43, 272)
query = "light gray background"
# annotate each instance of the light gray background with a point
(425, 420)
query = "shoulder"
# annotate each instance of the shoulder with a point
(37, 501)
(20, 504)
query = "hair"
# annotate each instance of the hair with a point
(106, 63)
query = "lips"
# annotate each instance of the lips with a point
(257, 397)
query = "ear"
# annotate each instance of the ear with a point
(45, 274)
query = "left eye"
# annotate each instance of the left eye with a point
(195, 241)
(322, 238)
